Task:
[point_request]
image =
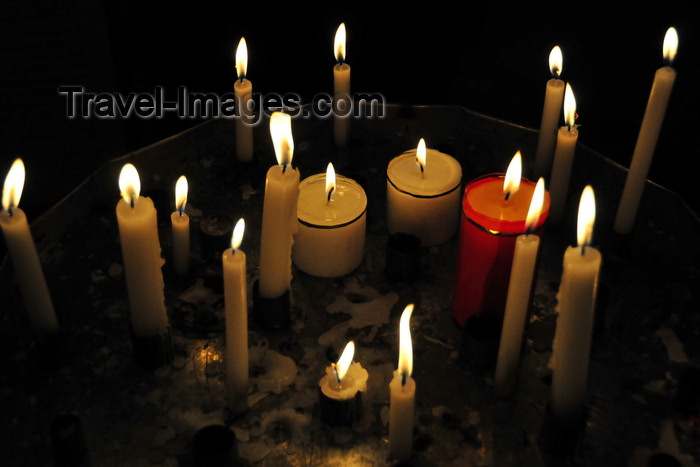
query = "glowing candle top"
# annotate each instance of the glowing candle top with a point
(237, 236)
(181, 188)
(586, 217)
(14, 184)
(339, 43)
(556, 61)
(242, 59)
(282, 140)
(130, 184)
(405, 345)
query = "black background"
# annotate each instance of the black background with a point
(490, 57)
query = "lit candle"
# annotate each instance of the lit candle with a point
(236, 316)
(341, 389)
(330, 241)
(181, 228)
(553, 97)
(341, 90)
(243, 89)
(422, 194)
(403, 394)
(563, 158)
(576, 307)
(494, 213)
(138, 232)
(518, 298)
(25, 259)
(648, 135)
(279, 218)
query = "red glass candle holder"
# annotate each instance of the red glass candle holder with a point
(489, 227)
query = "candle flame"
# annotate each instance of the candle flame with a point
(405, 345)
(339, 43)
(345, 360)
(556, 60)
(181, 193)
(237, 237)
(14, 184)
(511, 182)
(569, 107)
(130, 184)
(536, 203)
(281, 131)
(586, 217)
(670, 44)
(242, 59)
(330, 181)
(421, 155)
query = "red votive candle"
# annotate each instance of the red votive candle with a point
(489, 228)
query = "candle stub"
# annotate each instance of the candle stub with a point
(424, 202)
(330, 240)
(341, 402)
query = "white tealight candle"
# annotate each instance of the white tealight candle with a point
(518, 298)
(236, 316)
(341, 90)
(138, 231)
(563, 158)
(648, 136)
(330, 241)
(403, 395)
(553, 97)
(181, 228)
(279, 217)
(25, 259)
(423, 195)
(244, 100)
(571, 347)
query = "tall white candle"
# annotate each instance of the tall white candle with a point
(138, 232)
(341, 90)
(25, 259)
(332, 211)
(563, 158)
(423, 195)
(518, 298)
(403, 394)
(553, 97)
(576, 307)
(243, 89)
(236, 316)
(181, 228)
(648, 136)
(279, 221)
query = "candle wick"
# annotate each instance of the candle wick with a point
(330, 192)
(335, 372)
(507, 196)
(583, 249)
(131, 202)
(284, 168)
(180, 210)
(11, 210)
(404, 376)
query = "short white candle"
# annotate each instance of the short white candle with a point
(345, 378)
(563, 158)
(341, 90)
(518, 298)
(571, 347)
(25, 259)
(332, 211)
(181, 228)
(279, 221)
(236, 316)
(423, 195)
(648, 136)
(553, 97)
(138, 231)
(403, 395)
(243, 89)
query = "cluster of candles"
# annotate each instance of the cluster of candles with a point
(319, 225)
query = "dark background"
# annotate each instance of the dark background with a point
(490, 57)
